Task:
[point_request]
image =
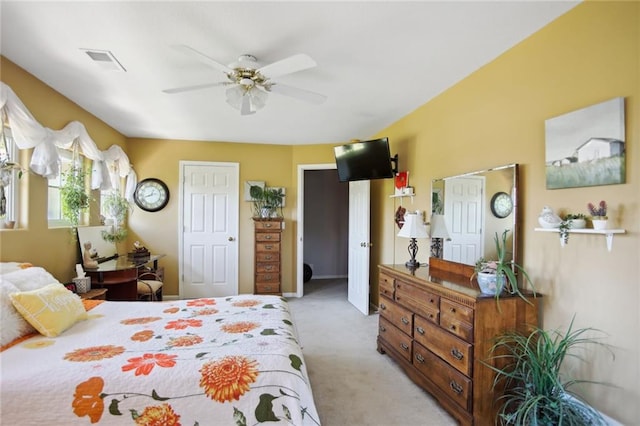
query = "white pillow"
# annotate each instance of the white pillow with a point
(12, 324)
(29, 279)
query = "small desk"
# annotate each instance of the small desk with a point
(120, 276)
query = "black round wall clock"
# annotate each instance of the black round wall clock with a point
(151, 195)
(501, 204)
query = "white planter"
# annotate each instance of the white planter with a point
(599, 224)
(578, 224)
(490, 283)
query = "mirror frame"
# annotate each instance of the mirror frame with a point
(465, 269)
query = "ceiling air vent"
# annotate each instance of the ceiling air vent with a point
(104, 59)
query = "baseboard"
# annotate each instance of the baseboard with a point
(328, 277)
(289, 294)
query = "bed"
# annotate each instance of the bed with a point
(212, 361)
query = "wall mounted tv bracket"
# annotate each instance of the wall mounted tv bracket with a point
(394, 160)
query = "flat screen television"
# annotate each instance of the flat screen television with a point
(364, 160)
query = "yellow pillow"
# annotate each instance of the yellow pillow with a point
(50, 309)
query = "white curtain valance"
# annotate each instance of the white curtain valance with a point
(108, 166)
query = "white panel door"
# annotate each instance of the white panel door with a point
(209, 224)
(463, 213)
(359, 245)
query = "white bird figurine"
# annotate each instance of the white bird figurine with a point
(548, 219)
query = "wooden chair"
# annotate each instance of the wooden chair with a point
(150, 286)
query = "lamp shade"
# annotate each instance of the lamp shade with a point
(438, 227)
(413, 227)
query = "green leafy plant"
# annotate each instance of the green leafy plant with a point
(504, 267)
(266, 201)
(74, 194)
(564, 228)
(528, 367)
(575, 216)
(116, 208)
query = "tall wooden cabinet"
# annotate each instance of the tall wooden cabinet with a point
(439, 329)
(268, 246)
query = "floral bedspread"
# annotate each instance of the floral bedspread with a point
(215, 361)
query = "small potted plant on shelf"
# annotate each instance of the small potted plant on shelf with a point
(528, 367)
(499, 275)
(571, 221)
(598, 214)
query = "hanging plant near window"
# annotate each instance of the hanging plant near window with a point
(116, 208)
(74, 195)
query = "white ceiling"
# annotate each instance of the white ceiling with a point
(377, 61)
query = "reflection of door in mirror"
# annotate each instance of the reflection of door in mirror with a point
(464, 217)
(93, 234)
(466, 202)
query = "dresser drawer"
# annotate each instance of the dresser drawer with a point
(269, 277)
(268, 247)
(454, 351)
(462, 329)
(457, 386)
(267, 267)
(267, 225)
(262, 288)
(459, 312)
(385, 285)
(397, 315)
(418, 300)
(267, 236)
(267, 257)
(395, 338)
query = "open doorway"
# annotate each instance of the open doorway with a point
(323, 225)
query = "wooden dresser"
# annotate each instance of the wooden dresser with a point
(268, 246)
(439, 328)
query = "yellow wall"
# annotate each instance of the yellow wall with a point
(53, 249)
(494, 117)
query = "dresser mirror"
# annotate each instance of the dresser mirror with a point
(473, 207)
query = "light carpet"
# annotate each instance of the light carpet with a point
(352, 383)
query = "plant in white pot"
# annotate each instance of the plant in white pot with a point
(499, 275)
(537, 391)
(267, 202)
(116, 208)
(598, 214)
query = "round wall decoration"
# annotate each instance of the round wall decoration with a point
(151, 195)
(501, 204)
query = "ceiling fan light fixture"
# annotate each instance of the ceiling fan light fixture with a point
(257, 98)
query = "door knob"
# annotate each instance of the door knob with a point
(231, 239)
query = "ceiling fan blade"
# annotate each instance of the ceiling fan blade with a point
(294, 92)
(195, 87)
(204, 58)
(288, 65)
(245, 109)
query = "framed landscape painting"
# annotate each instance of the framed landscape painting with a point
(586, 147)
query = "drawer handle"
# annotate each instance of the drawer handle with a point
(269, 247)
(267, 277)
(268, 268)
(457, 354)
(420, 330)
(398, 285)
(404, 321)
(455, 387)
(268, 257)
(268, 288)
(267, 225)
(431, 316)
(267, 237)
(452, 327)
(383, 306)
(432, 301)
(420, 358)
(404, 346)
(383, 328)
(452, 310)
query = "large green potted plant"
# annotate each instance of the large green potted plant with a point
(499, 275)
(267, 202)
(74, 195)
(536, 390)
(115, 208)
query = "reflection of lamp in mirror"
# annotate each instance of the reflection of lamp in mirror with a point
(438, 234)
(413, 228)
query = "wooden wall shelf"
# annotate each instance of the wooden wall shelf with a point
(606, 232)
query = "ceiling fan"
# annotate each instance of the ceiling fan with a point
(250, 82)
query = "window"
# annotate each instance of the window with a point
(9, 190)
(55, 213)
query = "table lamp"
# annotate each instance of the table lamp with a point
(438, 233)
(413, 228)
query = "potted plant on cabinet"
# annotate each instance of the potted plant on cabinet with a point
(267, 202)
(529, 366)
(496, 276)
